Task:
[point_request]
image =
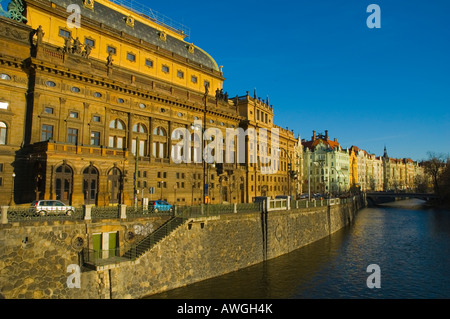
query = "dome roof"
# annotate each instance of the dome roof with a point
(116, 20)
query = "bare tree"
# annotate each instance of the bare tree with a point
(433, 167)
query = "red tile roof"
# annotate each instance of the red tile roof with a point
(312, 144)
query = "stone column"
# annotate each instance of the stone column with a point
(77, 190)
(123, 211)
(4, 212)
(87, 212)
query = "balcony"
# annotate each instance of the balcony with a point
(55, 147)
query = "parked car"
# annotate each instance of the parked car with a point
(284, 197)
(318, 196)
(52, 207)
(159, 206)
(303, 196)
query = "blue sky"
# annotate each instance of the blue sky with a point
(324, 69)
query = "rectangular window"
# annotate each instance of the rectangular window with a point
(165, 69)
(48, 110)
(73, 115)
(72, 135)
(47, 132)
(141, 147)
(95, 138)
(111, 49)
(131, 57)
(206, 83)
(180, 74)
(64, 33)
(194, 79)
(149, 63)
(115, 141)
(89, 42)
(96, 118)
(1, 167)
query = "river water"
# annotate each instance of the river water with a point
(410, 244)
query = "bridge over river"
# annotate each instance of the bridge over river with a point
(374, 198)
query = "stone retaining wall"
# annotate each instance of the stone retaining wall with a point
(34, 258)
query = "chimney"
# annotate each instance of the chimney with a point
(314, 136)
(326, 135)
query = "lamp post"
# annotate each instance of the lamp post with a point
(205, 177)
(194, 126)
(289, 171)
(11, 202)
(309, 178)
(136, 169)
(338, 172)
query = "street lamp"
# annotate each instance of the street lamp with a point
(11, 202)
(339, 184)
(289, 169)
(309, 178)
(136, 170)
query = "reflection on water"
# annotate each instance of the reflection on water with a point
(411, 246)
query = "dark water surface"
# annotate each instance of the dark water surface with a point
(410, 245)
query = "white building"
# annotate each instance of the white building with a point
(325, 166)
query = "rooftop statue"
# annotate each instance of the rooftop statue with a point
(15, 11)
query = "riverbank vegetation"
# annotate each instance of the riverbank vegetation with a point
(436, 178)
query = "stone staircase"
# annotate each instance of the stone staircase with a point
(140, 248)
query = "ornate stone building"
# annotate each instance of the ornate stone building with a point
(88, 112)
(326, 165)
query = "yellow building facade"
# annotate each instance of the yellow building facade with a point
(91, 114)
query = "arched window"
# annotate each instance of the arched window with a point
(90, 185)
(117, 124)
(142, 136)
(63, 183)
(159, 131)
(3, 133)
(139, 128)
(159, 147)
(117, 139)
(196, 147)
(115, 185)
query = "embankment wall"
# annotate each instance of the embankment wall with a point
(199, 249)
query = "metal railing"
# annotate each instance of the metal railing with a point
(154, 16)
(105, 212)
(138, 249)
(129, 252)
(17, 214)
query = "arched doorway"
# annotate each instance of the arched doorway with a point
(115, 186)
(64, 183)
(90, 185)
